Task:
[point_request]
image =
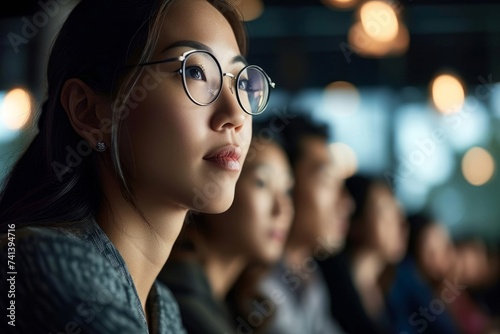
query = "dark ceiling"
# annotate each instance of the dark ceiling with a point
(299, 42)
(306, 49)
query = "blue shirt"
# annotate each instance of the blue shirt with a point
(69, 278)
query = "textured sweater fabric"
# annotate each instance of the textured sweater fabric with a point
(69, 278)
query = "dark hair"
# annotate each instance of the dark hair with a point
(418, 222)
(57, 178)
(300, 127)
(359, 187)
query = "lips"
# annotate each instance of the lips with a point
(227, 157)
(279, 235)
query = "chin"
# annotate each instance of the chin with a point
(271, 256)
(212, 202)
(218, 206)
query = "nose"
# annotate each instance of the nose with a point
(228, 114)
(282, 204)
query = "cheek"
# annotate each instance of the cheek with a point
(246, 136)
(163, 146)
(161, 116)
(310, 197)
(259, 208)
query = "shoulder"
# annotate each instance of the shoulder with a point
(60, 280)
(168, 310)
(200, 311)
(51, 250)
(185, 278)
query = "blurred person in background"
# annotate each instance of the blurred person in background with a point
(425, 282)
(477, 269)
(218, 259)
(296, 285)
(359, 277)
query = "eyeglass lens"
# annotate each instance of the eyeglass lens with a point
(203, 81)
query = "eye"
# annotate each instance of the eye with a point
(195, 72)
(246, 85)
(243, 84)
(260, 183)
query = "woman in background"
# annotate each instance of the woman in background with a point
(218, 258)
(477, 269)
(427, 270)
(361, 275)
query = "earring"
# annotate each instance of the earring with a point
(100, 146)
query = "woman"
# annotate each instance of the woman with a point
(139, 118)
(422, 277)
(205, 270)
(361, 274)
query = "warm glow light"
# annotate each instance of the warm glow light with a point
(379, 21)
(251, 9)
(344, 159)
(402, 41)
(448, 93)
(15, 110)
(342, 4)
(363, 44)
(478, 166)
(341, 97)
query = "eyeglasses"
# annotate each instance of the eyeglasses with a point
(202, 78)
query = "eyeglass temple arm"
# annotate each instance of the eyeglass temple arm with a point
(271, 83)
(180, 58)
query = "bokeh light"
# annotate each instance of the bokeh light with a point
(448, 93)
(364, 44)
(340, 4)
(379, 20)
(344, 158)
(16, 108)
(478, 166)
(341, 98)
(402, 41)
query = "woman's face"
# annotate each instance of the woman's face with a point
(388, 229)
(436, 252)
(316, 194)
(257, 224)
(183, 154)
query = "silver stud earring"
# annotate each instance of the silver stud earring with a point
(100, 146)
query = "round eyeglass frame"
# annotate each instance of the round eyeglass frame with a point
(235, 78)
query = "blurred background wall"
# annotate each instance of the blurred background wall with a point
(409, 88)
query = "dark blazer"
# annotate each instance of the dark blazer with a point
(346, 305)
(201, 313)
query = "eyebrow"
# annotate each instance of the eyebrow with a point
(191, 44)
(200, 46)
(239, 58)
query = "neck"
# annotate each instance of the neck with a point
(222, 271)
(144, 246)
(295, 255)
(297, 259)
(366, 267)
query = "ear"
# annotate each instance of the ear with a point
(88, 112)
